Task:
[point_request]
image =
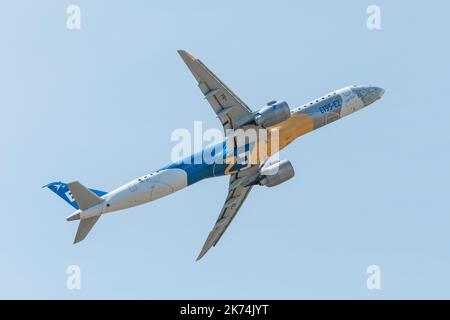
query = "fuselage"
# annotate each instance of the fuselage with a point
(179, 175)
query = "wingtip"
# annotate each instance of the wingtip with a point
(200, 256)
(186, 55)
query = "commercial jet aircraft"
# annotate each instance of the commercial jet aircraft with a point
(276, 119)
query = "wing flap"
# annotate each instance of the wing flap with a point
(227, 215)
(237, 193)
(219, 96)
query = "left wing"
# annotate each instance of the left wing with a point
(231, 111)
(237, 193)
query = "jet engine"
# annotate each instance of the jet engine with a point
(273, 113)
(276, 173)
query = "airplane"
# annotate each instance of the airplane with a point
(276, 119)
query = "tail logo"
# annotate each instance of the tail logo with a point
(61, 189)
(70, 196)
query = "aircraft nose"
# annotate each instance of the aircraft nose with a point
(379, 91)
(368, 94)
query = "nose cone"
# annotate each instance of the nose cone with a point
(368, 94)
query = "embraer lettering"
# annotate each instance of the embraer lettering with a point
(69, 196)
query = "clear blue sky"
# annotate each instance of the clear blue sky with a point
(98, 105)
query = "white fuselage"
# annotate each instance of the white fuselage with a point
(147, 188)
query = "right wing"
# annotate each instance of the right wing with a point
(231, 111)
(237, 193)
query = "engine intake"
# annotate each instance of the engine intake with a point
(276, 173)
(272, 114)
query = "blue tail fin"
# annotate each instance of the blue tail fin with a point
(61, 189)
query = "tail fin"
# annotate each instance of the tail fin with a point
(62, 190)
(79, 197)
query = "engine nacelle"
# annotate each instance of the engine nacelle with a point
(276, 173)
(272, 114)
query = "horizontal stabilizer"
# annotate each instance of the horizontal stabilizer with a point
(84, 227)
(84, 197)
